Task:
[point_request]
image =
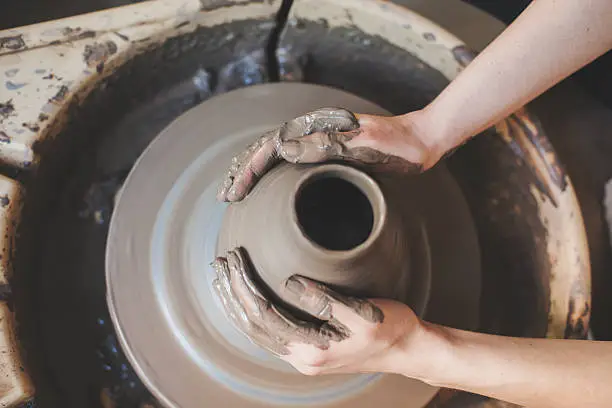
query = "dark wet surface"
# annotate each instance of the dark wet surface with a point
(334, 213)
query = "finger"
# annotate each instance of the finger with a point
(319, 300)
(248, 167)
(316, 147)
(295, 331)
(308, 296)
(312, 137)
(361, 307)
(254, 333)
(238, 270)
(275, 321)
(231, 303)
(324, 120)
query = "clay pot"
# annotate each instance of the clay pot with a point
(329, 222)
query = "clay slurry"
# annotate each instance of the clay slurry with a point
(334, 213)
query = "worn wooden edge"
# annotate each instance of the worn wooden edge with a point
(395, 23)
(60, 62)
(607, 203)
(15, 385)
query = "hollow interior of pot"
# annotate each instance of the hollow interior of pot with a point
(338, 209)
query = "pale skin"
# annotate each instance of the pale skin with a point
(548, 42)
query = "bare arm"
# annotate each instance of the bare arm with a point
(379, 335)
(538, 373)
(549, 41)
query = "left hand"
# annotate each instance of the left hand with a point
(354, 335)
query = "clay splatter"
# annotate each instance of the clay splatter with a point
(463, 55)
(52, 76)
(12, 43)
(86, 34)
(4, 138)
(429, 36)
(70, 30)
(12, 86)
(60, 95)
(97, 54)
(31, 126)
(11, 72)
(122, 36)
(6, 109)
(5, 292)
(4, 201)
(209, 5)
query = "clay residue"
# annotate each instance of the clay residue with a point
(11, 72)
(52, 76)
(59, 97)
(5, 292)
(210, 5)
(5, 201)
(6, 109)
(4, 138)
(12, 43)
(70, 31)
(97, 54)
(13, 86)
(33, 127)
(525, 135)
(463, 55)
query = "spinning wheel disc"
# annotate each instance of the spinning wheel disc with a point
(163, 236)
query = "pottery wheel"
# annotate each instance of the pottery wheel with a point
(163, 236)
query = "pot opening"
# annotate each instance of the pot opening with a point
(334, 213)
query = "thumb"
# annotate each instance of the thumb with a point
(316, 147)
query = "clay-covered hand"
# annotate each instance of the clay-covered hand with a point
(397, 143)
(352, 335)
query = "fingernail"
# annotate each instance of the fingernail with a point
(291, 150)
(295, 287)
(233, 194)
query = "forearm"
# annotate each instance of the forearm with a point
(530, 372)
(548, 42)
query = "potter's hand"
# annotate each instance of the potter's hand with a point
(386, 143)
(353, 335)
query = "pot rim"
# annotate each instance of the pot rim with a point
(358, 178)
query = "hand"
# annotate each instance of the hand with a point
(398, 143)
(353, 335)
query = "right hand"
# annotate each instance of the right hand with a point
(397, 143)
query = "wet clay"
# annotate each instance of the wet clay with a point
(249, 309)
(179, 325)
(267, 225)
